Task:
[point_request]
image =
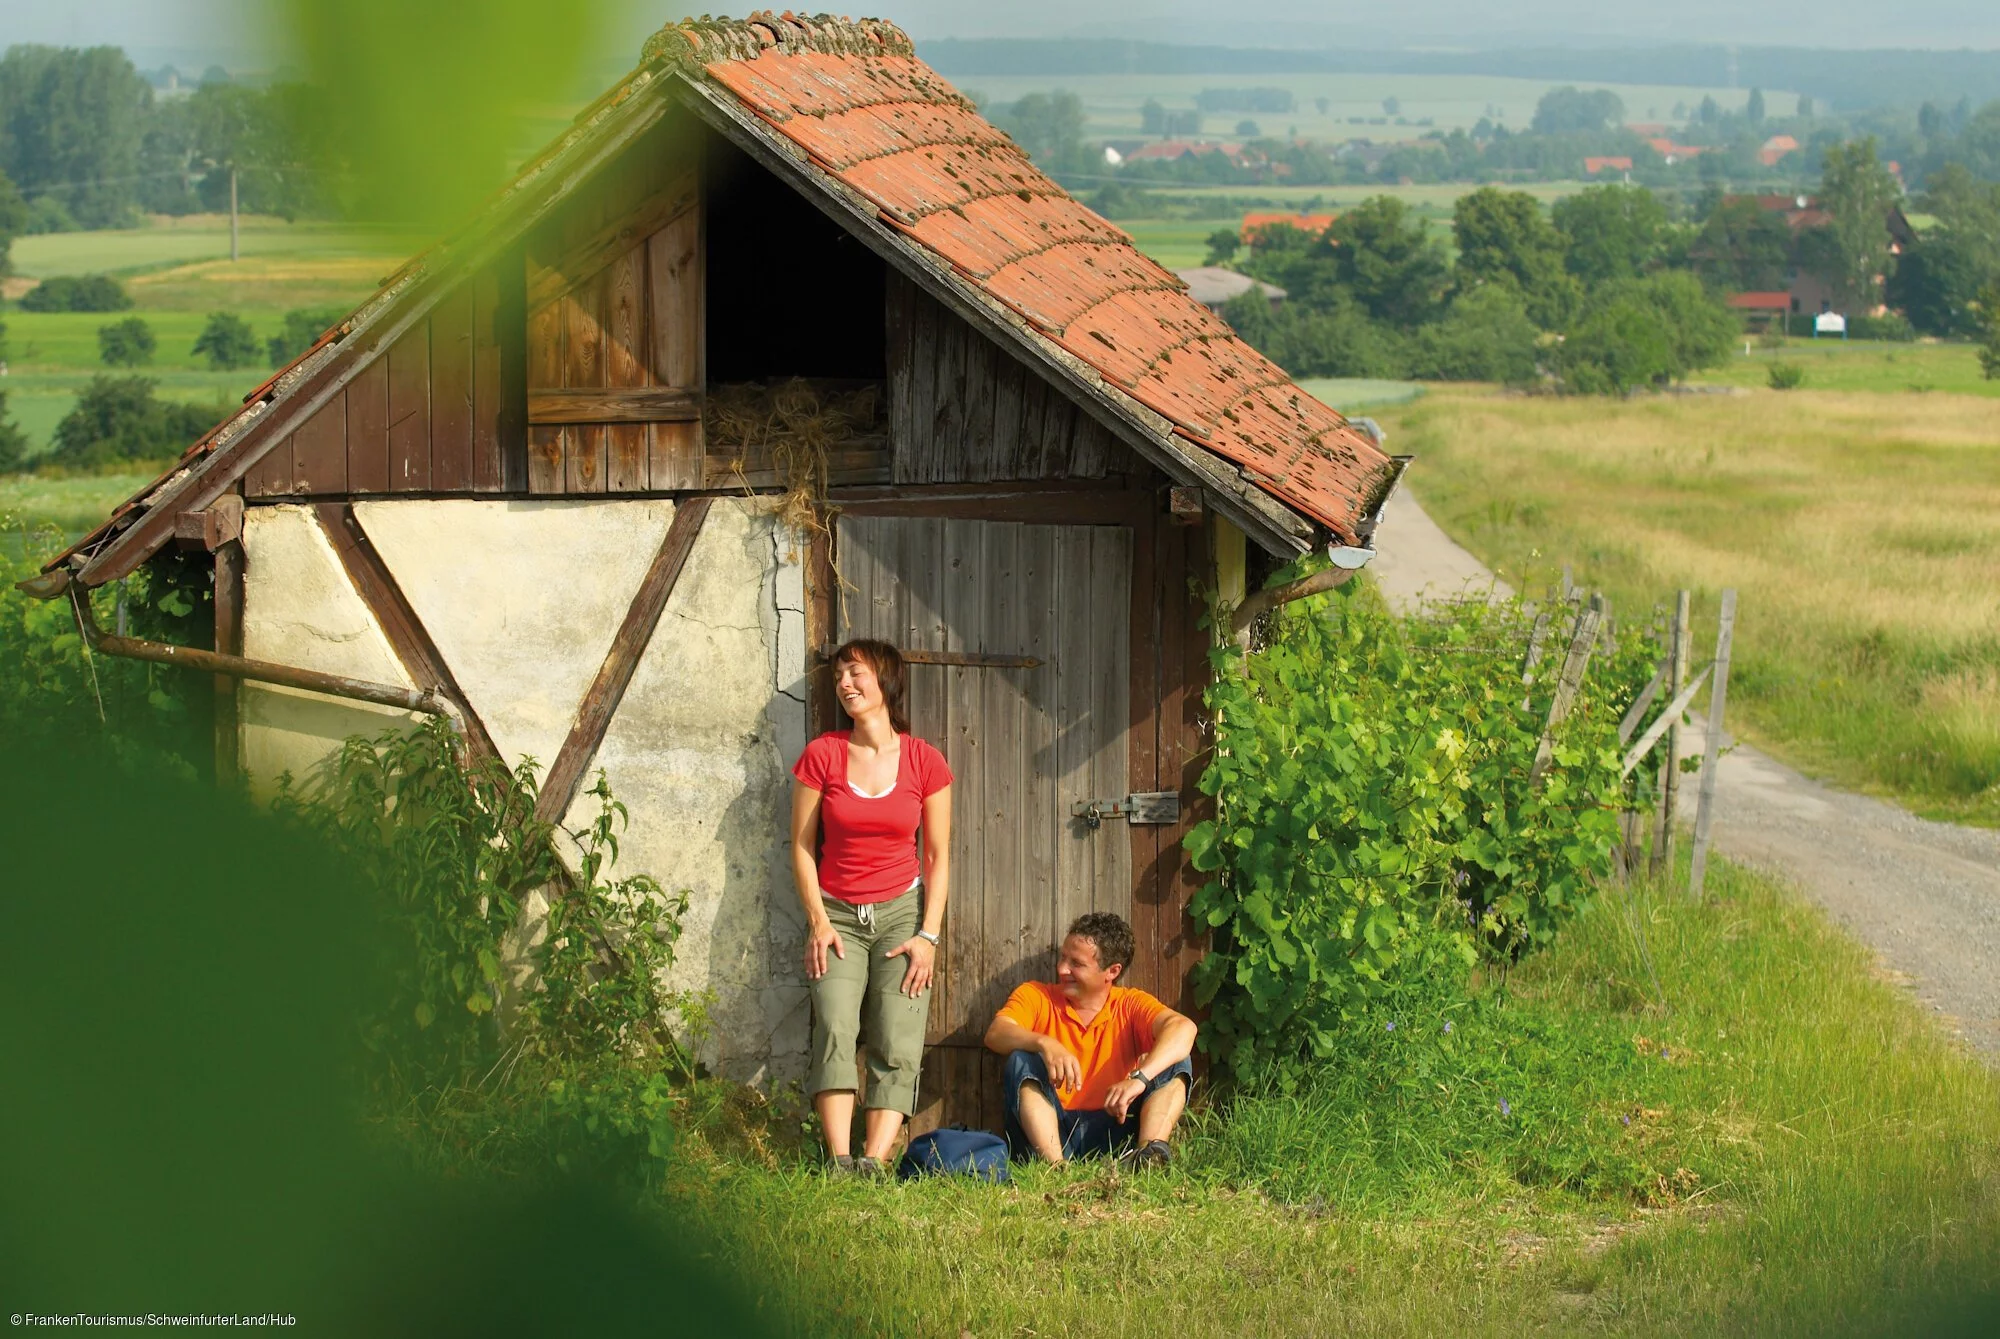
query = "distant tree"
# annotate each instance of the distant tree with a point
(1222, 246)
(1392, 106)
(1384, 255)
(1989, 332)
(13, 220)
(1805, 107)
(1937, 280)
(1645, 332)
(215, 75)
(1484, 336)
(1247, 129)
(77, 293)
(1753, 110)
(302, 326)
(70, 123)
(118, 419)
(1152, 117)
(126, 343)
(1503, 238)
(1571, 111)
(1324, 104)
(227, 342)
(1610, 232)
(1978, 145)
(1048, 125)
(1742, 248)
(1930, 121)
(1709, 112)
(1858, 192)
(13, 442)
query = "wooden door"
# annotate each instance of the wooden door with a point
(1024, 743)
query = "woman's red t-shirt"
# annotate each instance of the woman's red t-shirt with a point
(868, 846)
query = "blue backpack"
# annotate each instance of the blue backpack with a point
(958, 1151)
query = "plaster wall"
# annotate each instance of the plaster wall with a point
(299, 608)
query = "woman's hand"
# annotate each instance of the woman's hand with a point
(922, 954)
(820, 937)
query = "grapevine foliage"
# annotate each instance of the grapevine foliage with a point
(1374, 818)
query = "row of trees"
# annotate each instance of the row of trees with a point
(86, 143)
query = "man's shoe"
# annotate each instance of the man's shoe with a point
(1157, 1154)
(870, 1169)
(839, 1164)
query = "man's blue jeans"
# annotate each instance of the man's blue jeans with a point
(1084, 1134)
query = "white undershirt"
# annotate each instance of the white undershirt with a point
(866, 796)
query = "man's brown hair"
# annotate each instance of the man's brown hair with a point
(1109, 932)
(887, 662)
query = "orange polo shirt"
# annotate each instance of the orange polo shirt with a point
(1108, 1049)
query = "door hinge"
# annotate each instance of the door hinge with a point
(1146, 806)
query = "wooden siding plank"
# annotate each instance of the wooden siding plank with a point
(1075, 866)
(410, 411)
(963, 606)
(1004, 459)
(319, 451)
(271, 476)
(1041, 788)
(452, 413)
(937, 456)
(1010, 955)
(488, 457)
(610, 404)
(1110, 651)
(545, 368)
(630, 223)
(1150, 599)
(1184, 653)
(368, 429)
(674, 276)
(897, 313)
(1059, 420)
(626, 359)
(919, 448)
(594, 714)
(583, 367)
(974, 456)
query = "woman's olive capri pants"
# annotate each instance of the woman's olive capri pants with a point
(861, 998)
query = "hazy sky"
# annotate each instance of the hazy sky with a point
(236, 30)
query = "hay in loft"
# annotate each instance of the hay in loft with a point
(792, 430)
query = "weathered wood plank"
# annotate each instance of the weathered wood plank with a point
(1582, 643)
(368, 429)
(405, 631)
(1718, 702)
(1045, 813)
(451, 393)
(897, 298)
(625, 365)
(1012, 954)
(545, 368)
(489, 468)
(1143, 707)
(973, 456)
(271, 476)
(1076, 865)
(607, 690)
(589, 254)
(410, 412)
(610, 404)
(319, 451)
(674, 275)
(1679, 647)
(1006, 453)
(1162, 894)
(963, 605)
(583, 367)
(1109, 650)
(1182, 942)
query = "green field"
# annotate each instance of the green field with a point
(1860, 365)
(1354, 101)
(167, 242)
(1862, 530)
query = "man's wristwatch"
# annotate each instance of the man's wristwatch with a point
(928, 937)
(1140, 1075)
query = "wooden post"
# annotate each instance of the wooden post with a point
(1670, 767)
(228, 642)
(1704, 815)
(1581, 644)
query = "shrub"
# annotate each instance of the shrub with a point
(13, 442)
(1374, 820)
(1888, 326)
(303, 325)
(70, 293)
(118, 419)
(1785, 376)
(1339, 341)
(1643, 332)
(227, 342)
(126, 343)
(1485, 336)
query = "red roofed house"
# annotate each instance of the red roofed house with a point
(1675, 153)
(1593, 166)
(545, 484)
(1760, 309)
(1776, 148)
(1313, 225)
(1812, 293)
(1173, 150)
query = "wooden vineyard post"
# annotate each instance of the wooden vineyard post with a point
(1704, 815)
(1581, 644)
(1670, 767)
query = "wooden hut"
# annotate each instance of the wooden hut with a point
(546, 480)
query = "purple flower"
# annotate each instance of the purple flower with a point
(1389, 1027)
(1505, 1110)
(1666, 1054)
(1626, 1119)
(1447, 1027)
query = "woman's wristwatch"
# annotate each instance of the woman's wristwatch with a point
(928, 937)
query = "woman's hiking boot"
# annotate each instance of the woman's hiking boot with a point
(870, 1169)
(838, 1165)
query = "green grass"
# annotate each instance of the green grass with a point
(1861, 365)
(1830, 1163)
(1352, 394)
(1178, 244)
(171, 242)
(1862, 530)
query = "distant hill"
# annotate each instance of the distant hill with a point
(1841, 79)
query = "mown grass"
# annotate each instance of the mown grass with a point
(166, 242)
(1827, 1162)
(1860, 365)
(1863, 533)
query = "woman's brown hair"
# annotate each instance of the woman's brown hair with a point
(887, 662)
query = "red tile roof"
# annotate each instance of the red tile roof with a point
(888, 126)
(1593, 166)
(1760, 302)
(1306, 223)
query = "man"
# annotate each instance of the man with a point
(1092, 1066)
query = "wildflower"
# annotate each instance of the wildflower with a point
(1666, 1054)
(1447, 1027)
(1626, 1119)
(1505, 1110)
(1389, 1026)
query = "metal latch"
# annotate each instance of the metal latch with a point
(1146, 806)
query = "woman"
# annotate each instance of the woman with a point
(860, 796)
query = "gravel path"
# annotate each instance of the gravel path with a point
(1925, 896)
